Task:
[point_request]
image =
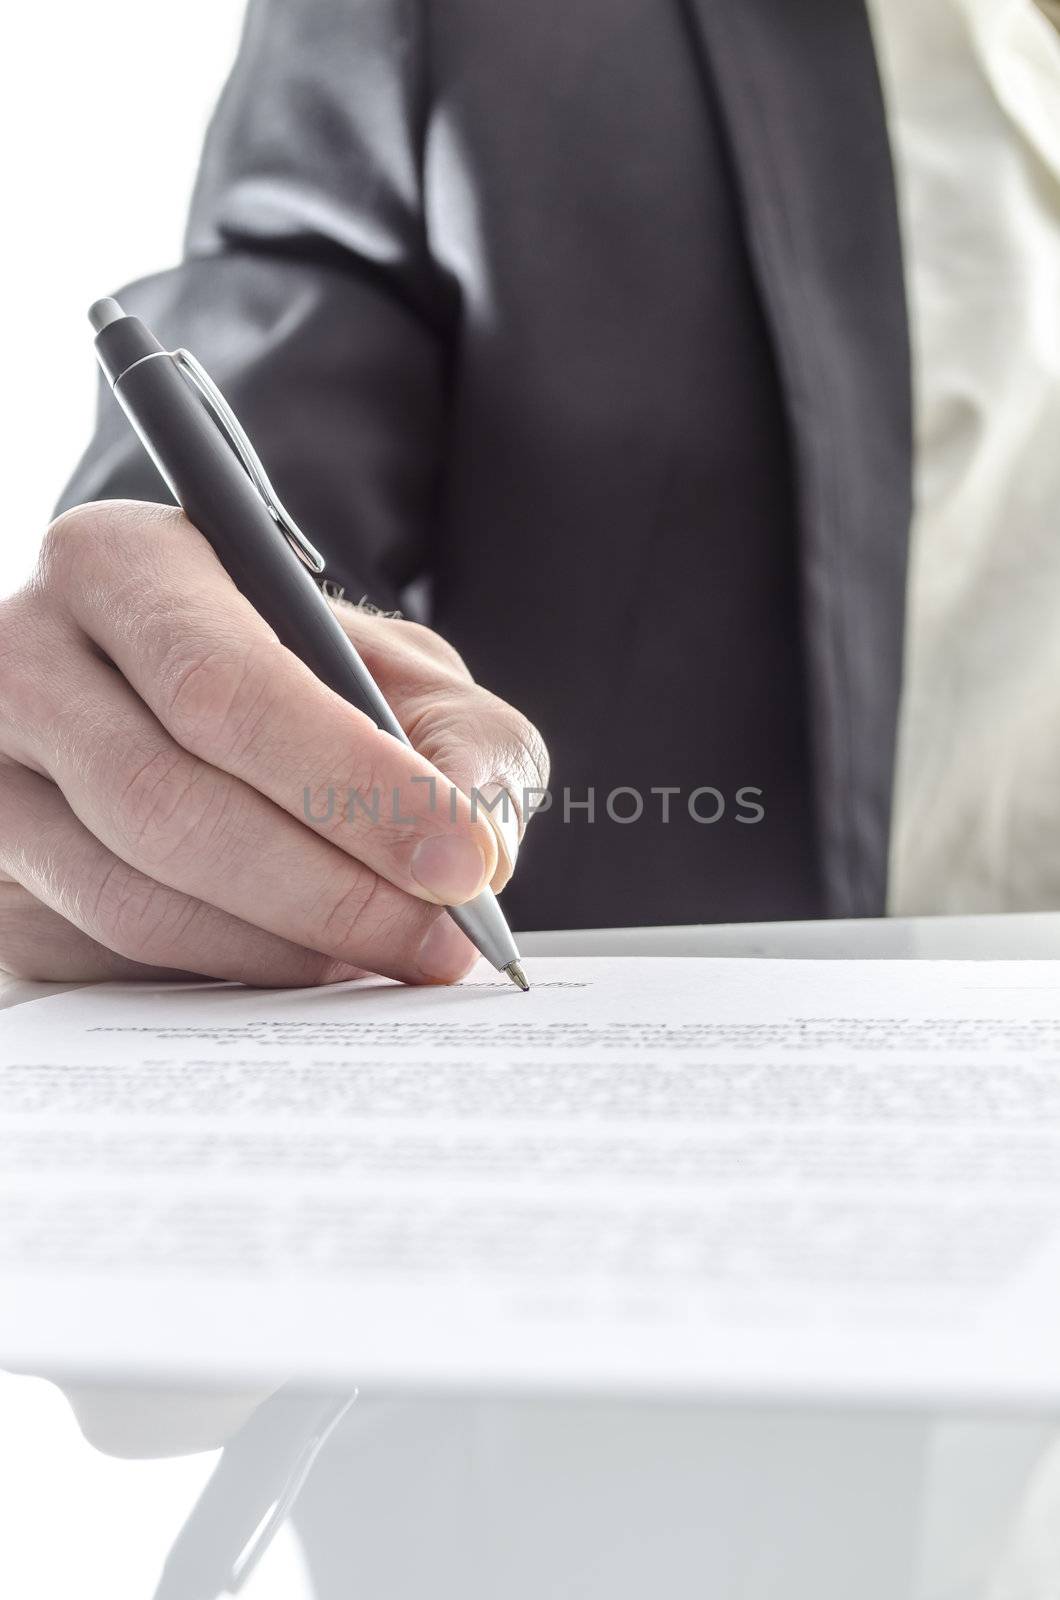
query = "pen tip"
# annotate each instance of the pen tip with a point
(518, 976)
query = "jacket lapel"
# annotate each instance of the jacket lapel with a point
(798, 89)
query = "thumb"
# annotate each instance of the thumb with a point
(492, 754)
(482, 745)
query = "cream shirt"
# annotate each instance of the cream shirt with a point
(973, 92)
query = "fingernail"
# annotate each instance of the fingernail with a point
(497, 805)
(449, 866)
(445, 953)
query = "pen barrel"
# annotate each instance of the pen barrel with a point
(215, 493)
(218, 497)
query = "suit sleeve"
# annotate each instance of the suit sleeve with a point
(307, 287)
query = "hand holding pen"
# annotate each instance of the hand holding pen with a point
(157, 743)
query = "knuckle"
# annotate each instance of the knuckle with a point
(400, 644)
(362, 800)
(341, 919)
(22, 951)
(477, 730)
(523, 754)
(39, 657)
(520, 751)
(536, 764)
(376, 800)
(99, 553)
(135, 916)
(325, 970)
(431, 644)
(64, 541)
(79, 546)
(308, 969)
(156, 806)
(215, 702)
(20, 639)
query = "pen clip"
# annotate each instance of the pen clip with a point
(232, 429)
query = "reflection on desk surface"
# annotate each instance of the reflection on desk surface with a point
(475, 1497)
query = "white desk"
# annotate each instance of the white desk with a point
(557, 1500)
(1018, 937)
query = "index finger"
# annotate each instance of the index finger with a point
(145, 586)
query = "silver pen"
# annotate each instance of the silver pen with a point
(199, 447)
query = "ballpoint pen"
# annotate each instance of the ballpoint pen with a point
(199, 447)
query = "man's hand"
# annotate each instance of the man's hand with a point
(180, 795)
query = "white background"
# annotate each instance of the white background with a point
(96, 182)
(95, 187)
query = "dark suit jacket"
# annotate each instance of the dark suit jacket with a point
(588, 313)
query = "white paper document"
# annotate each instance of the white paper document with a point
(712, 1177)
